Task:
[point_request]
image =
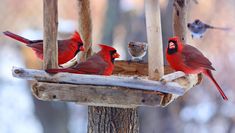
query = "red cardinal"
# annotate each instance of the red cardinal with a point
(102, 63)
(190, 60)
(67, 49)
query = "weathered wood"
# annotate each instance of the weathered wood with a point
(85, 27)
(154, 36)
(82, 79)
(135, 68)
(96, 95)
(50, 23)
(113, 120)
(180, 19)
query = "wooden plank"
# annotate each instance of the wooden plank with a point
(82, 79)
(154, 36)
(135, 68)
(50, 23)
(96, 95)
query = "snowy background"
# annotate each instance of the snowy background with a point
(201, 110)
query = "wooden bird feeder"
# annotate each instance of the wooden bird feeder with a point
(132, 85)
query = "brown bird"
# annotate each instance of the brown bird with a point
(137, 50)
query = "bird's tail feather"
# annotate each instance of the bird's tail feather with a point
(209, 74)
(17, 37)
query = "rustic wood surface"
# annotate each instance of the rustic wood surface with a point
(154, 36)
(135, 68)
(82, 79)
(50, 23)
(96, 95)
(180, 13)
(113, 120)
(85, 27)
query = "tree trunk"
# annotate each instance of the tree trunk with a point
(112, 120)
(106, 119)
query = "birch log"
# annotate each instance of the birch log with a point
(50, 23)
(154, 36)
(82, 79)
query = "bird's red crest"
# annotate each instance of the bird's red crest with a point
(106, 47)
(77, 37)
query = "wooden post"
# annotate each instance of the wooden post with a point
(180, 19)
(85, 27)
(109, 119)
(154, 36)
(50, 23)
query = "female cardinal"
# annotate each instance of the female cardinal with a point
(198, 28)
(67, 49)
(190, 60)
(101, 63)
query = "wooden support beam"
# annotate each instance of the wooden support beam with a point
(50, 23)
(154, 36)
(96, 95)
(180, 12)
(85, 27)
(82, 79)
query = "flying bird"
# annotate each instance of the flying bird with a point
(67, 49)
(198, 28)
(101, 63)
(190, 60)
(137, 50)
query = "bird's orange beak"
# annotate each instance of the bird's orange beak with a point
(82, 48)
(116, 55)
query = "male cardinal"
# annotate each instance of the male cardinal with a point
(190, 60)
(101, 63)
(137, 50)
(198, 28)
(67, 49)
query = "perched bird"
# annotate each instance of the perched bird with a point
(198, 28)
(137, 50)
(67, 49)
(190, 60)
(101, 63)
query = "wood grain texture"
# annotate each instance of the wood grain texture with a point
(154, 36)
(180, 19)
(113, 120)
(96, 95)
(50, 23)
(85, 27)
(82, 79)
(135, 68)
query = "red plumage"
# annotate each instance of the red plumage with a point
(67, 49)
(190, 60)
(100, 63)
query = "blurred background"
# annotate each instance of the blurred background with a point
(116, 22)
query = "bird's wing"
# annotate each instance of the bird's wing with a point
(37, 45)
(195, 59)
(94, 65)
